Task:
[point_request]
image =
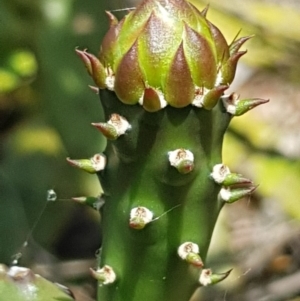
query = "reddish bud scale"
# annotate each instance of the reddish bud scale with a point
(170, 48)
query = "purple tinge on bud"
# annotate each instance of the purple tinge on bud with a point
(113, 21)
(220, 42)
(98, 71)
(167, 47)
(229, 67)
(153, 100)
(109, 46)
(158, 43)
(211, 98)
(83, 56)
(179, 87)
(129, 85)
(235, 46)
(201, 58)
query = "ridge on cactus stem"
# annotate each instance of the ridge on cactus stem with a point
(161, 74)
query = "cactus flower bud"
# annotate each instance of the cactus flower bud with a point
(164, 53)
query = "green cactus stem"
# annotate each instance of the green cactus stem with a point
(161, 74)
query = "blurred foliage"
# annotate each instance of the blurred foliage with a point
(46, 109)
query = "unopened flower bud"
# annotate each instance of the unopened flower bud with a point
(188, 55)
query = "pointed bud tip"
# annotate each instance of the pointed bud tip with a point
(91, 165)
(195, 260)
(72, 162)
(107, 130)
(208, 278)
(94, 89)
(113, 21)
(205, 11)
(80, 199)
(84, 58)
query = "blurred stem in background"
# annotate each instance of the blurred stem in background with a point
(46, 108)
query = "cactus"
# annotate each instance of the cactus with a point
(21, 284)
(161, 75)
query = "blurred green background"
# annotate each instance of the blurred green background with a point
(46, 109)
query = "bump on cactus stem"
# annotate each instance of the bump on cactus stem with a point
(108, 130)
(221, 174)
(114, 128)
(189, 252)
(51, 195)
(237, 107)
(94, 202)
(105, 275)
(140, 217)
(182, 160)
(208, 278)
(231, 195)
(92, 165)
(236, 179)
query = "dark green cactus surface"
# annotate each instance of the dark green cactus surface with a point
(161, 74)
(186, 206)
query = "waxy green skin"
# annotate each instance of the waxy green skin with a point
(138, 174)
